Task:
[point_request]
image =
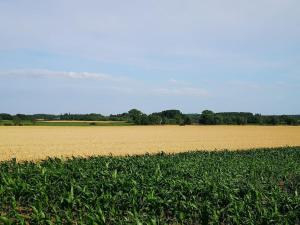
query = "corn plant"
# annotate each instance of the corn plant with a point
(247, 187)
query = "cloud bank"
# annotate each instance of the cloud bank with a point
(40, 73)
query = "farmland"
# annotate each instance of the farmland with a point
(149, 174)
(40, 142)
(220, 187)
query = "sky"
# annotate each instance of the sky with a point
(95, 56)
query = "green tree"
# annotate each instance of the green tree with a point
(17, 121)
(207, 117)
(154, 119)
(143, 120)
(274, 120)
(133, 113)
(290, 121)
(136, 116)
(179, 119)
(187, 120)
(218, 119)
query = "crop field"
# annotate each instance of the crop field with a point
(220, 187)
(40, 142)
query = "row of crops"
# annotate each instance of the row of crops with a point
(249, 187)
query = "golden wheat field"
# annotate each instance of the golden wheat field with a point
(34, 143)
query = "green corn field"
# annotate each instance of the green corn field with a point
(247, 187)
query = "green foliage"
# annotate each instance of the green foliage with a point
(5, 116)
(133, 113)
(241, 118)
(164, 117)
(208, 118)
(67, 123)
(17, 121)
(249, 187)
(187, 120)
(135, 116)
(84, 117)
(154, 119)
(82, 123)
(171, 114)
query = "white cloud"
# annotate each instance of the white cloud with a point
(61, 74)
(112, 83)
(178, 82)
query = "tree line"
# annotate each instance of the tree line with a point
(241, 118)
(135, 116)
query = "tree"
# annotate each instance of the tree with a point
(144, 119)
(257, 119)
(17, 121)
(137, 116)
(23, 117)
(273, 120)
(6, 116)
(133, 113)
(241, 120)
(179, 119)
(154, 119)
(290, 121)
(218, 119)
(207, 117)
(187, 120)
(164, 120)
(171, 114)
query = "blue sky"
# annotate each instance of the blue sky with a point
(60, 56)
